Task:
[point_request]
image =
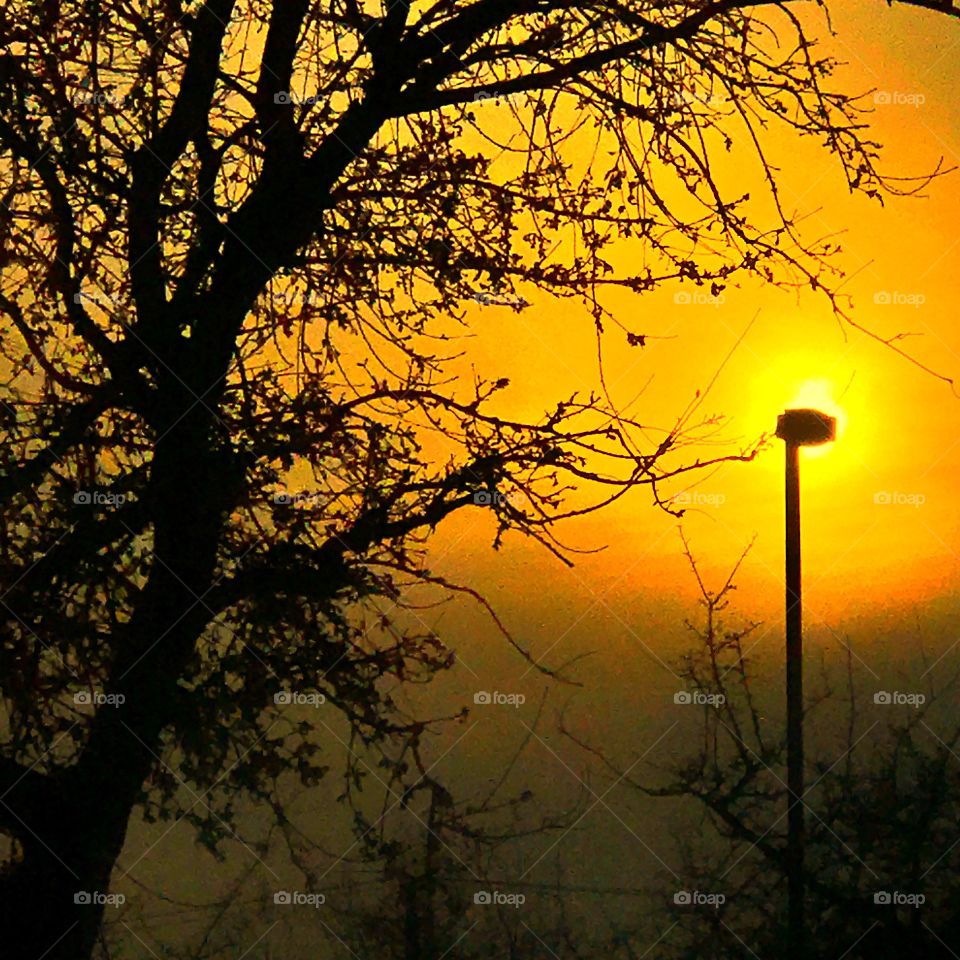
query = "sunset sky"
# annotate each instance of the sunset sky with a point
(880, 518)
(881, 525)
(879, 507)
(898, 424)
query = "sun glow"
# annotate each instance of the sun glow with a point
(820, 395)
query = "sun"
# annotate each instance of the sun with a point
(820, 394)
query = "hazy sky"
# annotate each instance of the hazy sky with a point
(880, 518)
(879, 574)
(899, 426)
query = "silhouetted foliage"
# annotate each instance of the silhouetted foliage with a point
(883, 844)
(239, 242)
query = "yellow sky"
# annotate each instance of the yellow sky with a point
(899, 438)
(879, 519)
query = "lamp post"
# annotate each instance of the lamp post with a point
(797, 428)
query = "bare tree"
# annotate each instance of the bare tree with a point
(238, 238)
(429, 875)
(883, 846)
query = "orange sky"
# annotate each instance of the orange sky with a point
(892, 566)
(900, 429)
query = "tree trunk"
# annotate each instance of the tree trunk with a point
(52, 902)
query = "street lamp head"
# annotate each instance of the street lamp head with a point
(806, 427)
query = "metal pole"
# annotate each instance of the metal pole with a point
(796, 947)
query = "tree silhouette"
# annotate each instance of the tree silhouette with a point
(883, 845)
(416, 885)
(238, 240)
